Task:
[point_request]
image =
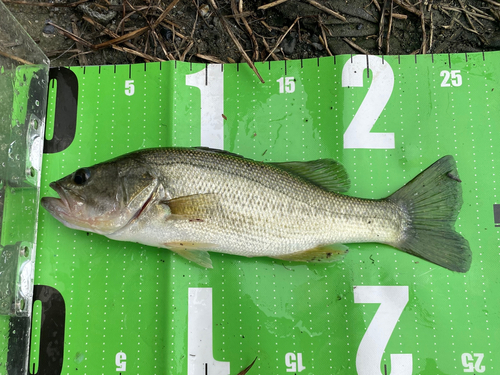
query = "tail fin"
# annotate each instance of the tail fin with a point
(432, 201)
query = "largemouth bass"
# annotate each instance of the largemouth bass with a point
(195, 200)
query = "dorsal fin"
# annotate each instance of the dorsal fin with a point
(325, 173)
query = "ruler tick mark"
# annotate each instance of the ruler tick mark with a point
(367, 67)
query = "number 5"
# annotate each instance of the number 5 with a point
(393, 300)
(129, 87)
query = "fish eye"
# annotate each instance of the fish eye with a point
(81, 176)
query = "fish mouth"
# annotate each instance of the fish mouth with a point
(60, 207)
(52, 204)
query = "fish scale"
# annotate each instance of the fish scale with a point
(305, 217)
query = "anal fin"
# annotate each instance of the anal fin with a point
(323, 254)
(192, 251)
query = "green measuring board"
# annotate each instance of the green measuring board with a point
(113, 307)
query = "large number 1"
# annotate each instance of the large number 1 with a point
(358, 133)
(210, 81)
(393, 300)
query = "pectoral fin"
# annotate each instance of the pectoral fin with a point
(192, 251)
(324, 254)
(197, 207)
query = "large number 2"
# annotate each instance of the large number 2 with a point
(358, 133)
(393, 300)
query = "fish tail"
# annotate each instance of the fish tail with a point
(431, 202)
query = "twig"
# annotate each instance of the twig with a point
(165, 12)
(59, 53)
(282, 37)
(270, 5)
(424, 35)
(236, 12)
(15, 58)
(162, 45)
(477, 10)
(268, 27)
(399, 16)
(166, 23)
(468, 12)
(355, 46)
(492, 3)
(252, 37)
(268, 49)
(209, 58)
(389, 29)
(431, 37)
(233, 37)
(105, 30)
(121, 39)
(82, 59)
(377, 5)
(381, 27)
(57, 5)
(173, 42)
(410, 8)
(323, 37)
(466, 15)
(71, 35)
(188, 48)
(327, 10)
(136, 53)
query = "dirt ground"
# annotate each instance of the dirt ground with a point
(90, 32)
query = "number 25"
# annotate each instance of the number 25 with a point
(454, 77)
